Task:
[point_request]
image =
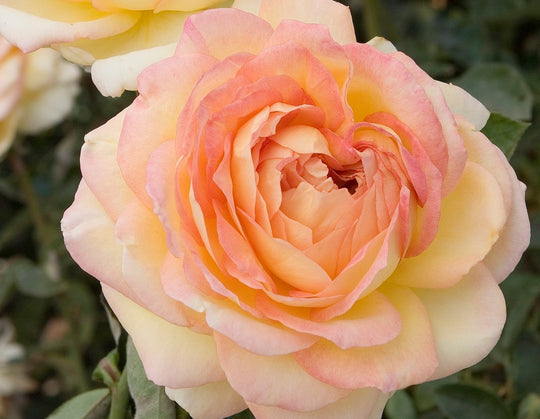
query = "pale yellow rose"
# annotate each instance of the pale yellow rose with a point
(36, 91)
(288, 220)
(118, 38)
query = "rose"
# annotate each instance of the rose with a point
(36, 91)
(117, 38)
(294, 221)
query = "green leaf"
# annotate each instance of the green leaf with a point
(504, 132)
(424, 394)
(32, 280)
(460, 401)
(525, 367)
(107, 371)
(500, 87)
(150, 399)
(93, 404)
(520, 292)
(400, 406)
(244, 414)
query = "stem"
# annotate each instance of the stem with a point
(120, 398)
(30, 196)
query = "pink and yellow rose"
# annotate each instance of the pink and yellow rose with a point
(37, 91)
(294, 222)
(118, 38)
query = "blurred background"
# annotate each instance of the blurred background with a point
(54, 328)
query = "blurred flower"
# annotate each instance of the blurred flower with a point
(37, 91)
(292, 221)
(13, 379)
(117, 38)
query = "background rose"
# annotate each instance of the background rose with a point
(295, 221)
(118, 38)
(37, 90)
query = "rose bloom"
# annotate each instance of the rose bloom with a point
(37, 91)
(118, 38)
(294, 222)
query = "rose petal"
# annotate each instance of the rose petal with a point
(209, 401)
(472, 217)
(100, 169)
(371, 321)
(115, 74)
(172, 356)
(408, 359)
(332, 14)
(151, 120)
(382, 44)
(89, 237)
(202, 33)
(143, 241)
(273, 380)
(61, 26)
(462, 103)
(258, 336)
(467, 320)
(505, 254)
(366, 403)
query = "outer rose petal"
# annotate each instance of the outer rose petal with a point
(202, 35)
(39, 31)
(210, 401)
(406, 360)
(507, 251)
(382, 44)
(467, 320)
(144, 249)
(173, 356)
(89, 237)
(462, 103)
(115, 74)
(100, 169)
(366, 403)
(332, 14)
(273, 380)
(514, 239)
(151, 119)
(472, 217)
